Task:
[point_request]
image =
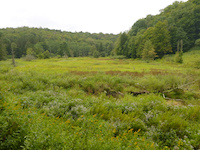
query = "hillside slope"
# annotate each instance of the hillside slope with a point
(176, 22)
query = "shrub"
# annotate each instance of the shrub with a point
(29, 58)
(197, 42)
(179, 57)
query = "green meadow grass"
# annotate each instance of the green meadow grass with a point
(104, 103)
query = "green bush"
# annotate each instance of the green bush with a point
(28, 58)
(179, 57)
(197, 42)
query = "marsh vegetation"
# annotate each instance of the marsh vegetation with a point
(100, 103)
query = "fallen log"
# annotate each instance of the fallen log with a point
(139, 93)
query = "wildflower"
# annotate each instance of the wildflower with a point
(114, 130)
(135, 143)
(82, 116)
(94, 115)
(139, 130)
(68, 121)
(130, 131)
(100, 126)
(152, 144)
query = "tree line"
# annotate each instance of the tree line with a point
(155, 36)
(45, 43)
(149, 38)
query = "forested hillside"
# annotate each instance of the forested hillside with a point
(175, 28)
(155, 36)
(43, 43)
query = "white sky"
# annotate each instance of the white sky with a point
(94, 16)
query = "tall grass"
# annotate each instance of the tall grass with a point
(88, 103)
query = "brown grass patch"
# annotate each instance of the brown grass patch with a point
(175, 103)
(158, 72)
(121, 73)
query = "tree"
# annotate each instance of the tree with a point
(139, 25)
(2, 48)
(96, 54)
(131, 47)
(13, 48)
(64, 49)
(122, 44)
(92, 50)
(3, 53)
(38, 48)
(197, 42)
(179, 53)
(148, 52)
(161, 39)
(177, 33)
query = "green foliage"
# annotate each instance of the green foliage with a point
(88, 103)
(197, 42)
(121, 48)
(44, 55)
(161, 39)
(175, 22)
(96, 54)
(3, 52)
(178, 57)
(148, 52)
(67, 44)
(178, 34)
(29, 51)
(29, 58)
(64, 49)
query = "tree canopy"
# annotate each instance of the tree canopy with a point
(43, 43)
(179, 21)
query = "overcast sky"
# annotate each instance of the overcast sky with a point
(94, 16)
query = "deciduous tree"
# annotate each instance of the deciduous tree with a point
(148, 52)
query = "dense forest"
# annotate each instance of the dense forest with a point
(152, 37)
(155, 36)
(44, 43)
